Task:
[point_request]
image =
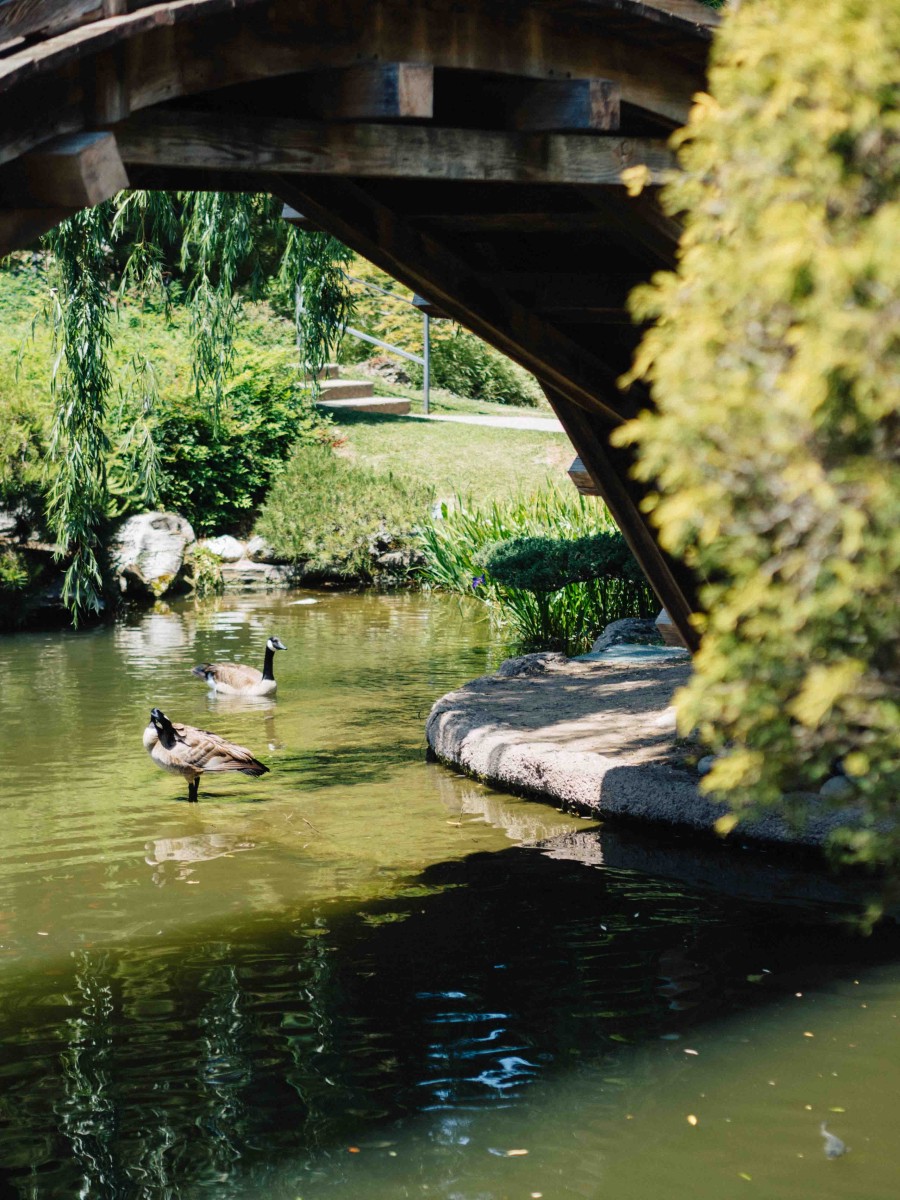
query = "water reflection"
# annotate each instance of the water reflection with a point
(389, 981)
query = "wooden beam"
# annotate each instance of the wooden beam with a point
(298, 220)
(19, 227)
(75, 171)
(610, 469)
(491, 100)
(512, 222)
(371, 92)
(430, 268)
(25, 18)
(232, 142)
(578, 473)
(565, 289)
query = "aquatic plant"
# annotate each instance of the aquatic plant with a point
(554, 611)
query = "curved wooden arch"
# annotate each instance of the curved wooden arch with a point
(473, 148)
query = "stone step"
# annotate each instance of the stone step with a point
(393, 405)
(330, 371)
(345, 389)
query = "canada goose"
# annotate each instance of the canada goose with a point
(189, 752)
(236, 679)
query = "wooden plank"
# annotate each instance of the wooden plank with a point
(512, 222)
(563, 289)
(74, 171)
(24, 18)
(428, 267)
(610, 469)
(372, 92)
(235, 142)
(528, 105)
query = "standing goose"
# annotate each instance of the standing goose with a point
(189, 752)
(236, 679)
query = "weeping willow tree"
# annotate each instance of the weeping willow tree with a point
(205, 250)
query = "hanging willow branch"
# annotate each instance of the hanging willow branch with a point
(204, 247)
(316, 262)
(81, 381)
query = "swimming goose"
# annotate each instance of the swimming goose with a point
(236, 679)
(189, 752)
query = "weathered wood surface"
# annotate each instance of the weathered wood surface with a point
(186, 47)
(371, 92)
(528, 105)
(74, 171)
(230, 142)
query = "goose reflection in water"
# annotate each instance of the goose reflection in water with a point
(173, 857)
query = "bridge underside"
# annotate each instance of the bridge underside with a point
(471, 148)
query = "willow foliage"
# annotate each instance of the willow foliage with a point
(81, 381)
(775, 364)
(205, 250)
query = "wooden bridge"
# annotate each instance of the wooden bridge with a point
(471, 148)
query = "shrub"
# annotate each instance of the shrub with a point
(324, 511)
(460, 547)
(774, 366)
(215, 470)
(464, 364)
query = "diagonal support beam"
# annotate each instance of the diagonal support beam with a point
(609, 469)
(427, 267)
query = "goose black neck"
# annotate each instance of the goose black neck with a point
(268, 662)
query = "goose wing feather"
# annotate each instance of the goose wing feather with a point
(236, 675)
(205, 751)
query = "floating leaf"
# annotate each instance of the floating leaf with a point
(692, 1120)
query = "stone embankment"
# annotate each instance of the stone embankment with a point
(595, 735)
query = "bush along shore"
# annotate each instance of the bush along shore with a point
(264, 490)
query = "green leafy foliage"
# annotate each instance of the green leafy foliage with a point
(775, 365)
(76, 498)
(460, 547)
(543, 564)
(216, 472)
(207, 251)
(323, 512)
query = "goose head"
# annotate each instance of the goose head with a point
(275, 643)
(165, 730)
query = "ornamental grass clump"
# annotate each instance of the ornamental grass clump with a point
(775, 366)
(515, 558)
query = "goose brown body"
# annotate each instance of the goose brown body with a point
(237, 679)
(190, 752)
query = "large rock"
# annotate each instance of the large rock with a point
(258, 550)
(224, 547)
(147, 553)
(628, 631)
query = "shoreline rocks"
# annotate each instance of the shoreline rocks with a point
(148, 553)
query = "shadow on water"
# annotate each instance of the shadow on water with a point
(432, 1026)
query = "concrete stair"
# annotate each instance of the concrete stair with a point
(355, 395)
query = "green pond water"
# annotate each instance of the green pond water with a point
(363, 976)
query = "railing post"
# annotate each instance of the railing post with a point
(426, 370)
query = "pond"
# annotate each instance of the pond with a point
(362, 976)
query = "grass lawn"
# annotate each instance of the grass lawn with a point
(473, 461)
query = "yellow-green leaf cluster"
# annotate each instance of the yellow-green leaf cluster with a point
(775, 366)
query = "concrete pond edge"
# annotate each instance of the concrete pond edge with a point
(466, 732)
